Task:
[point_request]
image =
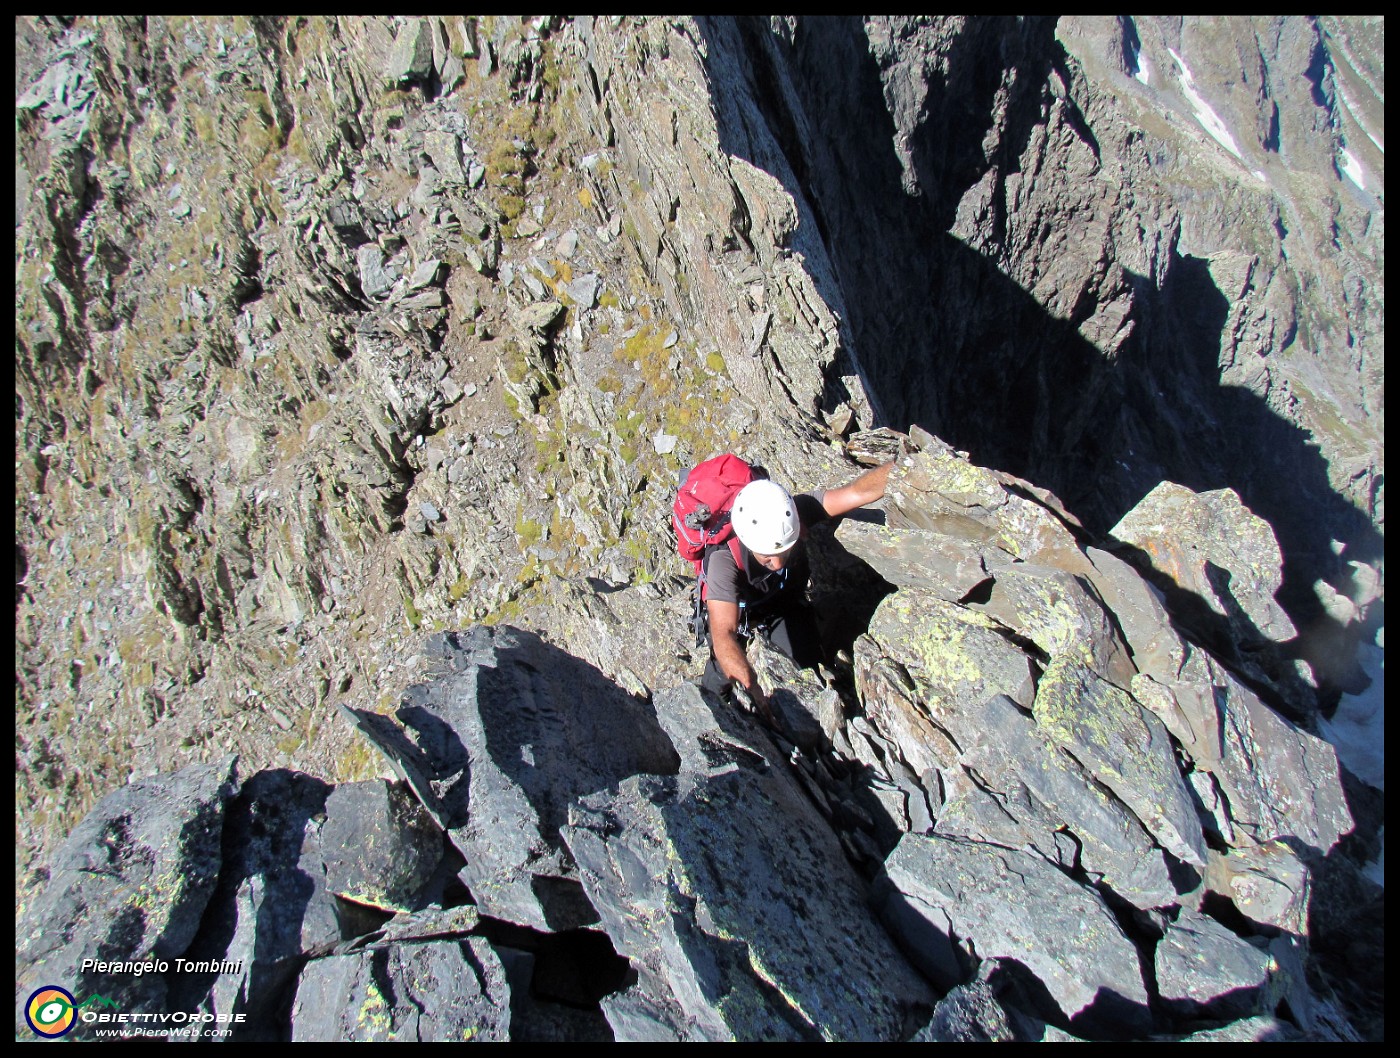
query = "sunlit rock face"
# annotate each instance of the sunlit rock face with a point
(333, 332)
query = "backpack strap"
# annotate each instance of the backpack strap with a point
(700, 619)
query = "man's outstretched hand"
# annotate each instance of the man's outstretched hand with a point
(758, 704)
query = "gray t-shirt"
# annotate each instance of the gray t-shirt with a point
(755, 586)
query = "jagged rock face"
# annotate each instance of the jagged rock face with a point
(733, 900)
(331, 331)
(448, 991)
(500, 752)
(1076, 246)
(943, 891)
(130, 883)
(317, 349)
(615, 868)
(289, 288)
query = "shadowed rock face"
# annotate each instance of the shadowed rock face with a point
(331, 331)
(997, 826)
(1074, 247)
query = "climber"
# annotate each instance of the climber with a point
(767, 596)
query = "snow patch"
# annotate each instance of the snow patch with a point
(1142, 69)
(1356, 116)
(1357, 732)
(1357, 729)
(1352, 168)
(1209, 119)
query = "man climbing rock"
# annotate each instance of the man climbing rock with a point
(763, 592)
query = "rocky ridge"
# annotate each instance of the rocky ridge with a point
(1030, 809)
(332, 332)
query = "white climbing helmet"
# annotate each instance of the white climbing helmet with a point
(765, 518)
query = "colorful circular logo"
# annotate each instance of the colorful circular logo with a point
(50, 1012)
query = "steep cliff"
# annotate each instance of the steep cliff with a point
(332, 332)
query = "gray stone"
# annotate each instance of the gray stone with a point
(1157, 648)
(466, 35)
(1123, 746)
(1055, 611)
(945, 898)
(1261, 1029)
(1266, 883)
(1279, 781)
(380, 846)
(431, 923)
(924, 670)
(508, 733)
(430, 513)
(1205, 971)
(532, 283)
(452, 73)
(583, 290)
(412, 56)
(732, 899)
(841, 420)
(446, 59)
(567, 244)
(427, 299)
(983, 1011)
(271, 907)
(916, 558)
(426, 190)
(1049, 796)
(427, 273)
(375, 280)
(435, 992)
(539, 317)
(1219, 551)
(940, 490)
(130, 884)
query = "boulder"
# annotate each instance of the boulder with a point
(1157, 648)
(917, 558)
(1278, 781)
(1057, 612)
(1205, 971)
(412, 55)
(1268, 884)
(1213, 547)
(952, 902)
(129, 886)
(924, 670)
(1056, 807)
(380, 845)
(442, 991)
(1123, 746)
(984, 1011)
(732, 898)
(271, 908)
(940, 490)
(506, 737)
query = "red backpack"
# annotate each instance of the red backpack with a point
(701, 510)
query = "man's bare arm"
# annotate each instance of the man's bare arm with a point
(729, 652)
(867, 488)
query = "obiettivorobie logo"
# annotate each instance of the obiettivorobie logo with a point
(53, 1012)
